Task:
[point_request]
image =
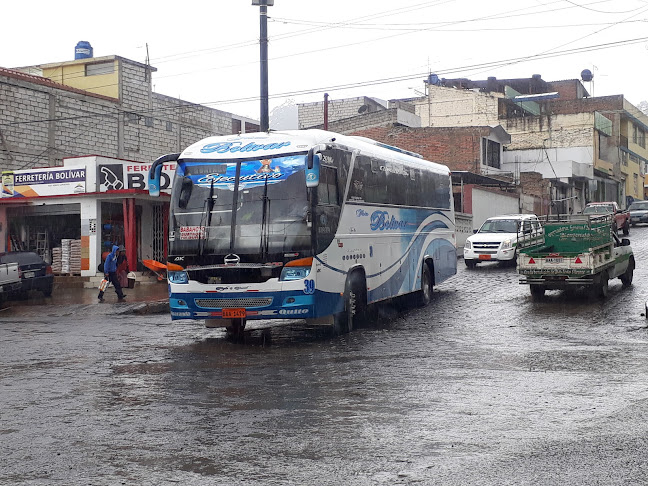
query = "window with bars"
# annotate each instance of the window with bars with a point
(638, 136)
(491, 153)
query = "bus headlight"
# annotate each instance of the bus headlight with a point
(178, 277)
(296, 269)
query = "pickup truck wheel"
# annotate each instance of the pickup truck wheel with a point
(470, 263)
(537, 291)
(513, 261)
(601, 287)
(626, 278)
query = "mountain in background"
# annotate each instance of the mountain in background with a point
(284, 116)
(643, 106)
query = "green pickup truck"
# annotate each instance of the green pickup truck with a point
(577, 250)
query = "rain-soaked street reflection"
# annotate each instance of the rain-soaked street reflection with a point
(484, 386)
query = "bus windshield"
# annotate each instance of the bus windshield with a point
(251, 207)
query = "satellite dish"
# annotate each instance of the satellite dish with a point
(586, 75)
(362, 109)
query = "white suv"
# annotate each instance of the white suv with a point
(497, 239)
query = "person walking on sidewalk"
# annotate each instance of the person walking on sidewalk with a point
(110, 272)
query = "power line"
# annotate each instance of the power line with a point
(359, 84)
(494, 29)
(600, 11)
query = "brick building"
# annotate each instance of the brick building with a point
(588, 148)
(312, 114)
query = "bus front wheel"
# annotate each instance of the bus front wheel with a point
(355, 304)
(236, 328)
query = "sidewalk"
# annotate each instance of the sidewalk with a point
(149, 292)
(147, 298)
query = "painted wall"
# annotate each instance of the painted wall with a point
(486, 204)
(552, 162)
(452, 107)
(73, 74)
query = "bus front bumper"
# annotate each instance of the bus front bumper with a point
(276, 305)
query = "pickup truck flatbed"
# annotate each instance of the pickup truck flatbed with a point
(581, 250)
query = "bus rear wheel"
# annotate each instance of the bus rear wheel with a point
(424, 296)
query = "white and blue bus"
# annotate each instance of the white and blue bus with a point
(303, 224)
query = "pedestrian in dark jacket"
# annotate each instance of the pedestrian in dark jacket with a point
(110, 274)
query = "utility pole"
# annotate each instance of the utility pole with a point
(263, 42)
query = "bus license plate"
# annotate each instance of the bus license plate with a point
(233, 313)
(484, 257)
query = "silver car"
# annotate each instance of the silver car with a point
(638, 212)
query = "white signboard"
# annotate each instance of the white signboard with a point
(131, 175)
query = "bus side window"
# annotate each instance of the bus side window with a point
(327, 192)
(357, 187)
(376, 180)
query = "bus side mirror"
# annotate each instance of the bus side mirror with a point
(155, 172)
(313, 170)
(185, 192)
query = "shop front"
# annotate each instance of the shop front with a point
(71, 215)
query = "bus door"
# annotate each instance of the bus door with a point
(327, 210)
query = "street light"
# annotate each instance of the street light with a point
(263, 42)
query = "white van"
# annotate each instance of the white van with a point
(497, 239)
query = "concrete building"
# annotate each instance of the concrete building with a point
(103, 106)
(76, 139)
(94, 201)
(588, 148)
(311, 115)
(475, 154)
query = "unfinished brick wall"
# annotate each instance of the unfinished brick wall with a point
(41, 122)
(458, 148)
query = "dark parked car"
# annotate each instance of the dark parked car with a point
(35, 274)
(638, 212)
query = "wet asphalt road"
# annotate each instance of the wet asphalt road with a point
(483, 387)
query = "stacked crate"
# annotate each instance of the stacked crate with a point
(75, 257)
(65, 256)
(66, 259)
(56, 259)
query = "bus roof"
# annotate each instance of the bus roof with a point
(273, 143)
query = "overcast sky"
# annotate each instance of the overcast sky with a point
(208, 52)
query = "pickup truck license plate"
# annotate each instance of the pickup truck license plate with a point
(233, 313)
(484, 257)
(28, 274)
(553, 260)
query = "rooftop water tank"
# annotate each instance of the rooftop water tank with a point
(83, 50)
